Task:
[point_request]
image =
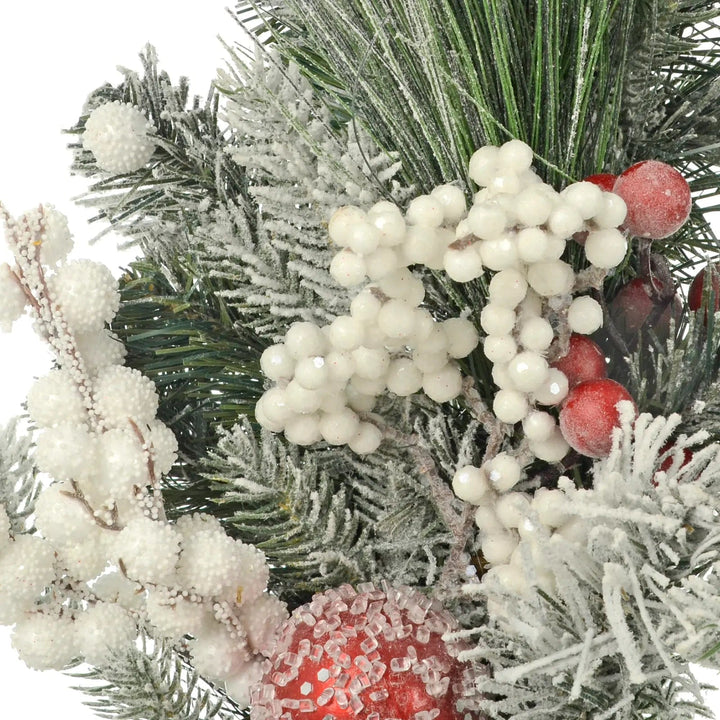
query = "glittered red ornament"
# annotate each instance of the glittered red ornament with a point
(590, 414)
(370, 654)
(657, 198)
(583, 361)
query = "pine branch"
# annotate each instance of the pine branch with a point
(205, 365)
(19, 484)
(153, 682)
(189, 171)
(323, 517)
(301, 165)
(623, 610)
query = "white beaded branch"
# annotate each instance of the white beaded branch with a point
(105, 558)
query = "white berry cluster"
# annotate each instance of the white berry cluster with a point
(325, 377)
(119, 136)
(518, 227)
(104, 559)
(506, 517)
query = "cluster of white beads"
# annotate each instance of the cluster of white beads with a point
(504, 516)
(326, 376)
(518, 227)
(119, 136)
(103, 544)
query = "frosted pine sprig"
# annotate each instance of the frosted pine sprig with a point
(105, 561)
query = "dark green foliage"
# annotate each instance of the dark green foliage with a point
(153, 682)
(205, 366)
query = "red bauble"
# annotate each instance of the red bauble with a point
(657, 198)
(634, 304)
(369, 654)
(605, 181)
(697, 288)
(590, 414)
(583, 361)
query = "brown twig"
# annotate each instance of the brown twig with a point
(77, 494)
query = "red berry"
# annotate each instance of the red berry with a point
(634, 304)
(362, 655)
(697, 288)
(657, 198)
(590, 414)
(605, 181)
(583, 361)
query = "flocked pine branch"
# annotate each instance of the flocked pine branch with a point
(19, 484)
(627, 603)
(153, 681)
(301, 165)
(324, 517)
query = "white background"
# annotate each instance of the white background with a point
(52, 54)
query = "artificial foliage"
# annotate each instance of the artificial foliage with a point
(395, 270)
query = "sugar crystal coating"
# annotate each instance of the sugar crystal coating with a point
(370, 653)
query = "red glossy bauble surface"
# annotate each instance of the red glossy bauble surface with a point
(634, 304)
(697, 288)
(583, 361)
(657, 198)
(590, 414)
(370, 654)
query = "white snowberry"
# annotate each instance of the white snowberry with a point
(452, 202)
(122, 394)
(348, 268)
(462, 337)
(149, 550)
(403, 377)
(508, 287)
(102, 630)
(66, 451)
(174, 616)
(510, 406)
(425, 210)
(605, 248)
(119, 136)
(60, 518)
(551, 278)
(342, 222)
(585, 315)
(470, 484)
(45, 641)
(366, 440)
(305, 339)
(54, 399)
(12, 298)
(99, 349)
(443, 385)
(55, 240)
(277, 363)
(26, 569)
(87, 294)
(503, 472)
(339, 428)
